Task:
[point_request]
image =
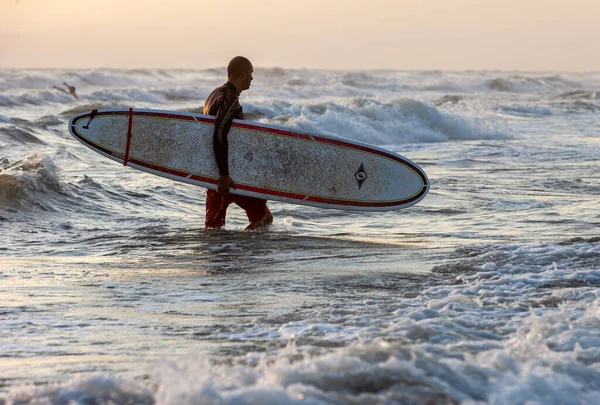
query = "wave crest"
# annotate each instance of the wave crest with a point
(29, 181)
(400, 121)
(17, 135)
(524, 84)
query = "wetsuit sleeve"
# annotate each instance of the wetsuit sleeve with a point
(228, 110)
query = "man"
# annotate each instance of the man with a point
(71, 90)
(224, 104)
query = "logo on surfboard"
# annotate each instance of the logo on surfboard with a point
(361, 175)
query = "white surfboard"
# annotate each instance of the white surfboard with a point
(265, 161)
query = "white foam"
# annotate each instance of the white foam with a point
(127, 94)
(531, 84)
(27, 79)
(373, 373)
(507, 333)
(96, 389)
(526, 110)
(226, 247)
(34, 177)
(373, 121)
(34, 97)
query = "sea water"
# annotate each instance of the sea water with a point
(486, 292)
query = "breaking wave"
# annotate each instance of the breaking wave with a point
(372, 121)
(33, 181)
(48, 121)
(580, 95)
(13, 135)
(34, 97)
(525, 84)
(526, 110)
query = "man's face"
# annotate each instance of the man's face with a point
(247, 76)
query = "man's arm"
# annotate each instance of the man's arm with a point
(228, 109)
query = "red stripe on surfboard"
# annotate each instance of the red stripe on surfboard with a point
(126, 158)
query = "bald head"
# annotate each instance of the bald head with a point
(237, 66)
(239, 73)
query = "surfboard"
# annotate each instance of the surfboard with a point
(265, 161)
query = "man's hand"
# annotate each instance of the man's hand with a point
(225, 183)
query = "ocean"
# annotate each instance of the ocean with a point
(486, 292)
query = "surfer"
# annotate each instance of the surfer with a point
(224, 104)
(70, 90)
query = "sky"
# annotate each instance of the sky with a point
(527, 35)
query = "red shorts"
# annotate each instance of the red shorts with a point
(216, 207)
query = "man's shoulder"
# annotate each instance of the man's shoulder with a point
(223, 93)
(223, 97)
(226, 88)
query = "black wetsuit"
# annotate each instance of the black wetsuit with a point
(224, 104)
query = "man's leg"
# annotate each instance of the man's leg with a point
(265, 220)
(216, 209)
(256, 209)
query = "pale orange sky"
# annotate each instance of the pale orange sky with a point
(330, 34)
